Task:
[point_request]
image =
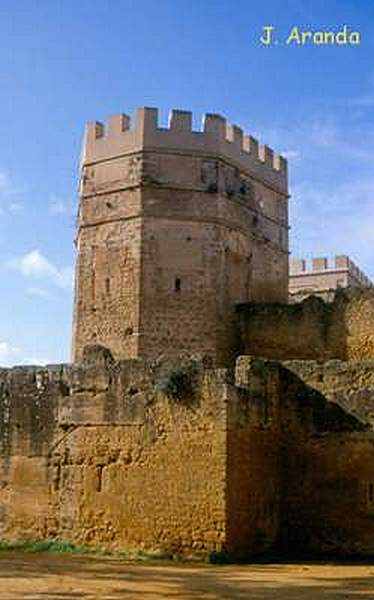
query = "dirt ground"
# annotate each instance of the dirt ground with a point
(62, 577)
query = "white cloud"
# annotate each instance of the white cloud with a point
(39, 292)
(7, 186)
(35, 361)
(335, 219)
(7, 192)
(324, 136)
(16, 208)
(8, 354)
(60, 206)
(34, 264)
(11, 355)
(293, 155)
(366, 101)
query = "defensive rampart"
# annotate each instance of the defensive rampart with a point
(312, 329)
(184, 459)
(175, 227)
(217, 138)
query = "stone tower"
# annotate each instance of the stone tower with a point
(175, 227)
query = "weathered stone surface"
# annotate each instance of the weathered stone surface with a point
(175, 227)
(312, 329)
(248, 461)
(145, 445)
(324, 278)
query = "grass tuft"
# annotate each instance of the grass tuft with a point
(45, 546)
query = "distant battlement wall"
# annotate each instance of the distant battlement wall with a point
(218, 138)
(311, 329)
(324, 275)
(322, 264)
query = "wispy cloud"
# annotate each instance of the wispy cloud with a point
(291, 154)
(11, 355)
(323, 136)
(7, 185)
(16, 208)
(335, 219)
(9, 204)
(355, 143)
(39, 292)
(8, 353)
(37, 361)
(365, 101)
(60, 206)
(35, 264)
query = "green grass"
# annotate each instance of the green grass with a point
(65, 547)
(46, 546)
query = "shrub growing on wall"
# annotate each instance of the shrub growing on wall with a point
(180, 382)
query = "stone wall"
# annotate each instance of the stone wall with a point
(324, 277)
(328, 502)
(175, 227)
(99, 454)
(349, 384)
(312, 329)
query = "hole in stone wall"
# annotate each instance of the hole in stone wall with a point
(177, 284)
(107, 285)
(99, 478)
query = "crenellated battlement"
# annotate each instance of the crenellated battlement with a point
(122, 135)
(175, 227)
(322, 265)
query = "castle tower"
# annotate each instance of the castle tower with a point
(175, 227)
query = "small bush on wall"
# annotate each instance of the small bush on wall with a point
(180, 382)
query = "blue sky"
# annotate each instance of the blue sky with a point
(64, 62)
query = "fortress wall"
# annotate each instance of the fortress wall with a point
(98, 455)
(175, 227)
(312, 329)
(359, 324)
(324, 275)
(328, 502)
(350, 384)
(28, 424)
(307, 330)
(201, 244)
(253, 485)
(107, 283)
(120, 464)
(142, 471)
(121, 136)
(327, 467)
(209, 244)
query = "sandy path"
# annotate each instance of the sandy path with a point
(56, 577)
